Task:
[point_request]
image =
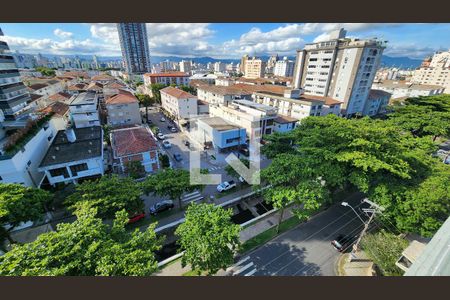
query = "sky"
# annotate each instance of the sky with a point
(217, 40)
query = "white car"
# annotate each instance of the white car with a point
(161, 136)
(225, 186)
(167, 144)
(163, 119)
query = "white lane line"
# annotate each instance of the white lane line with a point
(242, 260)
(251, 272)
(243, 268)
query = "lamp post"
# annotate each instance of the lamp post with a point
(348, 205)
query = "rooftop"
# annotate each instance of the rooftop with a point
(134, 140)
(57, 107)
(88, 144)
(378, 94)
(177, 93)
(242, 89)
(95, 86)
(102, 77)
(77, 87)
(305, 99)
(282, 119)
(61, 96)
(254, 105)
(167, 74)
(86, 98)
(122, 98)
(406, 85)
(219, 124)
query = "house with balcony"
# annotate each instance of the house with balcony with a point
(84, 110)
(123, 109)
(134, 144)
(75, 154)
(22, 152)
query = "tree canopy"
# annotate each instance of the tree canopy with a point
(21, 204)
(109, 194)
(208, 238)
(86, 247)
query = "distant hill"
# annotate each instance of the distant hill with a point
(400, 62)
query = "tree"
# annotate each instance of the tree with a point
(384, 249)
(21, 204)
(189, 89)
(208, 238)
(135, 169)
(106, 131)
(164, 160)
(293, 184)
(170, 182)
(46, 71)
(109, 194)
(86, 247)
(156, 87)
(146, 101)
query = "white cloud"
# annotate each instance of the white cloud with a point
(409, 50)
(62, 34)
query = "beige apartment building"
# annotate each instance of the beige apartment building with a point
(180, 104)
(435, 71)
(123, 109)
(254, 68)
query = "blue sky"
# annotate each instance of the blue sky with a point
(229, 40)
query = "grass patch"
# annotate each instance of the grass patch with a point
(193, 273)
(269, 234)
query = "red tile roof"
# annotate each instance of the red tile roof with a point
(168, 74)
(77, 87)
(37, 86)
(123, 97)
(57, 107)
(131, 141)
(114, 85)
(95, 86)
(61, 96)
(177, 93)
(102, 77)
(327, 100)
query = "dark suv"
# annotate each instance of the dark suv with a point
(161, 206)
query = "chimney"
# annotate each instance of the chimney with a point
(70, 133)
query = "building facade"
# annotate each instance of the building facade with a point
(177, 78)
(254, 68)
(84, 110)
(284, 68)
(134, 45)
(180, 104)
(435, 71)
(123, 109)
(401, 89)
(221, 133)
(340, 68)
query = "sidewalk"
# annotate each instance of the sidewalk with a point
(175, 269)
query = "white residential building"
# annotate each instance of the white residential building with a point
(340, 68)
(177, 78)
(21, 165)
(219, 67)
(376, 103)
(402, 89)
(435, 72)
(185, 66)
(257, 119)
(215, 94)
(284, 68)
(221, 133)
(84, 110)
(75, 153)
(180, 104)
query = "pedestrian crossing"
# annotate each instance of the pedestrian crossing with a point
(194, 196)
(244, 267)
(215, 168)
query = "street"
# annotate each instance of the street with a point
(306, 249)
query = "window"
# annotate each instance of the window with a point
(59, 172)
(78, 168)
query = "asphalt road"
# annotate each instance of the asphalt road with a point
(306, 249)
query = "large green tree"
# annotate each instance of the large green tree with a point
(146, 101)
(86, 247)
(156, 87)
(170, 182)
(208, 238)
(384, 249)
(109, 194)
(21, 204)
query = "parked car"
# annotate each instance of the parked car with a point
(136, 218)
(173, 129)
(169, 127)
(342, 242)
(241, 179)
(161, 206)
(163, 119)
(177, 157)
(244, 151)
(225, 186)
(161, 136)
(166, 144)
(149, 122)
(186, 143)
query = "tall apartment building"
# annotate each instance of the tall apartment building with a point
(134, 45)
(185, 66)
(341, 68)
(219, 67)
(242, 63)
(270, 66)
(284, 68)
(435, 71)
(254, 68)
(13, 93)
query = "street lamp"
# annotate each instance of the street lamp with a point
(346, 204)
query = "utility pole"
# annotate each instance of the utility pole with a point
(374, 208)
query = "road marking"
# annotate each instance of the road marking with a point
(243, 269)
(242, 260)
(251, 272)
